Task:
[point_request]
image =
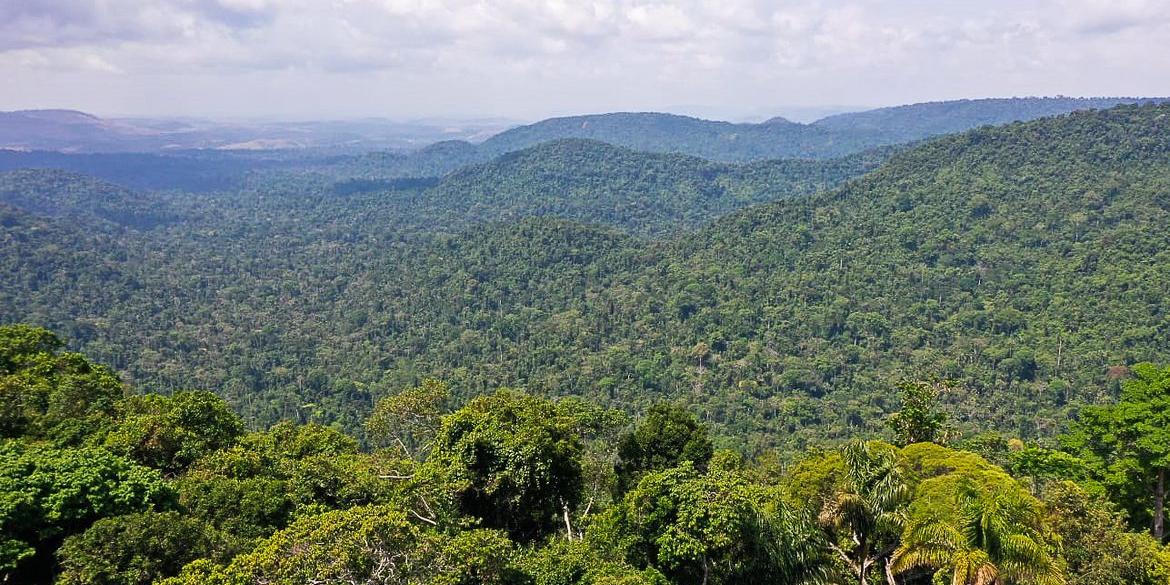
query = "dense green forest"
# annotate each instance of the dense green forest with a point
(100, 486)
(1027, 263)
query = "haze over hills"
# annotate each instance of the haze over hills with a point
(72, 131)
(830, 137)
(1021, 260)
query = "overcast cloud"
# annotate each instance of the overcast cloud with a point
(527, 59)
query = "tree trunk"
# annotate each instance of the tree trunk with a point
(1159, 505)
(889, 564)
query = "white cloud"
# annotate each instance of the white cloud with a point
(518, 56)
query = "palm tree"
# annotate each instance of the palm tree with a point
(864, 519)
(995, 540)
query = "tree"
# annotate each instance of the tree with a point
(135, 549)
(994, 536)
(711, 528)
(1129, 443)
(409, 419)
(668, 436)
(865, 516)
(920, 420)
(514, 461)
(48, 394)
(365, 544)
(170, 433)
(579, 562)
(1095, 543)
(47, 494)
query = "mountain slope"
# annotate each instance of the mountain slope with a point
(917, 121)
(1028, 262)
(831, 137)
(643, 193)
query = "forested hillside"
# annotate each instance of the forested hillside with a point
(917, 121)
(1026, 262)
(643, 193)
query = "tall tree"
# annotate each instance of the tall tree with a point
(1129, 443)
(514, 461)
(864, 517)
(920, 420)
(712, 528)
(669, 435)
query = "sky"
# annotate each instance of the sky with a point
(528, 59)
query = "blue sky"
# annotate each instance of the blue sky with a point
(526, 59)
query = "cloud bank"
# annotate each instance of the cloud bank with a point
(527, 59)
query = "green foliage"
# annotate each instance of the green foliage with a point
(1095, 544)
(171, 432)
(47, 494)
(409, 418)
(373, 544)
(135, 549)
(640, 193)
(865, 515)
(666, 437)
(713, 527)
(979, 257)
(270, 478)
(514, 460)
(920, 420)
(565, 562)
(45, 393)
(1128, 444)
(973, 523)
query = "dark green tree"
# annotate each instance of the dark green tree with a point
(171, 432)
(49, 394)
(514, 461)
(47, 494)
(668, 435)
(712, 528)
(135, 549)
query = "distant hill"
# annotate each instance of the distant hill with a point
(914, 122)
(644, 194)
(654, 132)
(433, 148)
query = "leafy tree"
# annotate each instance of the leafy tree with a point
(666, 437)
(714, 527)
(47, 494)
(170, 433)
(865, 516)
(1095, 543)
(920, 420)
(514, 461)
(45, 393)
(1129, 444)
(365, 544)
(135, 549)
(409, 419)
(567, 562)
